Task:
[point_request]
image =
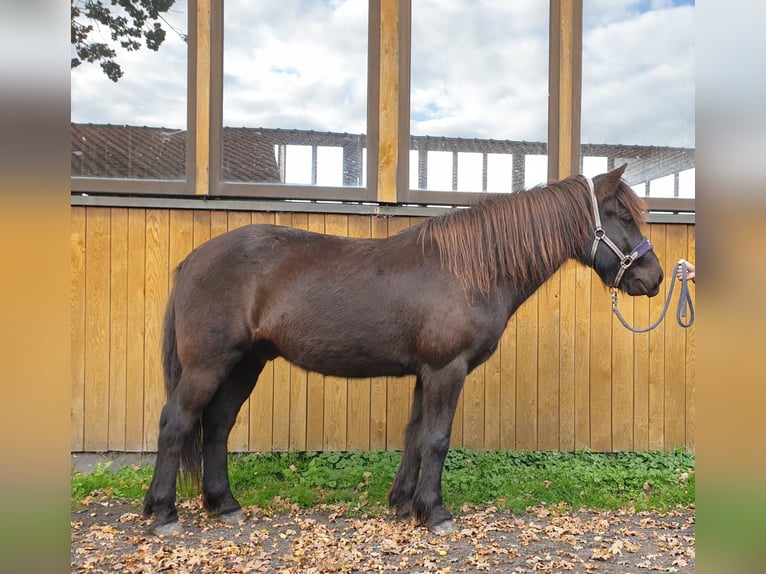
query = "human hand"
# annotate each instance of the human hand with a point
(689, 270)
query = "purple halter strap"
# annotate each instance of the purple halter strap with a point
(599, 235)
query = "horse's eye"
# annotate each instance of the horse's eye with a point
(626, 220)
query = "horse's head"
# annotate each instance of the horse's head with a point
(620, 253)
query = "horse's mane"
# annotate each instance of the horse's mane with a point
(522, 237)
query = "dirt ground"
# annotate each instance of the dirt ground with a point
(111, 536)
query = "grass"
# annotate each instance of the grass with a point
(360, 480)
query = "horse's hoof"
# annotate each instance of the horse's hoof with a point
(168, 529)
(233, 518)
(443, 528)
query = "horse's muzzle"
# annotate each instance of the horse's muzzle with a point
(640, 286)
(654, 291)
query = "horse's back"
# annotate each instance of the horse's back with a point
(248, 273)
(257, 247)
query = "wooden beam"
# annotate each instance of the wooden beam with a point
(565, 88)
(388, 115)
(202, 99)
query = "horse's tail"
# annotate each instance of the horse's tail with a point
(191, 449)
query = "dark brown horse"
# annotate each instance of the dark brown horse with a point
(431, 301)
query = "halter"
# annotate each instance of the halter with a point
(599, 235)
(643, 247)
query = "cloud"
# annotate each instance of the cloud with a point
(638, 77)
(479, 69)
(484, 69)
(301, 66)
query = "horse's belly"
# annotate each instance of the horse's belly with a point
(344, 349)
(346, 359)
(342, 367)
(365, 332)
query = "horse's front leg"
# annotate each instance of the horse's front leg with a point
(403, 487)
(441, 390)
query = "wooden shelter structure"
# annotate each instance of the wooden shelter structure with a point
(566, 376)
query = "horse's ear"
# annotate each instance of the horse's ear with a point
(612, 178)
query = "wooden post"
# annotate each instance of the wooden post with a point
(202, 99)
(565, 88)
(393, 112)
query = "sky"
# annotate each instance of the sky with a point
(479, 69)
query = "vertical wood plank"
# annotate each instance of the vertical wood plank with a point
(240, 433)
(281, 421)
(281, 418)
(657, 351)
(508, 386)
(261, 437)
(134, 400)
(567, 351)
(492, 413)
(298, 407)
(548, 354)
(335, 410)
(219, 223)
(336, 388)
(601, 368)
(77, 330)
(526, 374)
(582, 294)
(118, 286)
(691, 388)
(641, 382)
(157, 248)
(181, 237)
(358, 417)
(358, 425)
(472, 406)
(641, 374)
(180, 240)
(691, 355)
(201, 232)
(675, 346)
(97, 230)
(315, 382)
(378, 385)
(298, 379)
(262, 398)
(239, 219)
(456, 436)
(622, 378)
(473, 409)
(399, 389)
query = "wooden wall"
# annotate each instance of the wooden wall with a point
(566, 376)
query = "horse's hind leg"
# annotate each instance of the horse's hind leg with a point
(403, 487)
(183, 409)
(218, 419)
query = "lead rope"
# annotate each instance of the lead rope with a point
(684, 303)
